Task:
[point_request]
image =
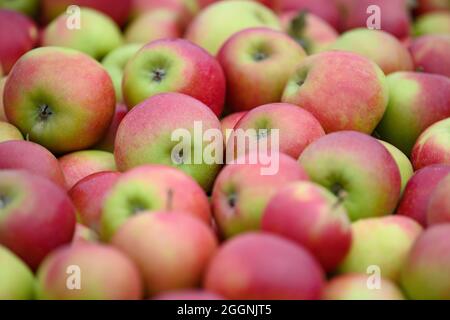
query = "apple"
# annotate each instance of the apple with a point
(217, 22)
(83, 234)
(438, 210)
(174, 65)
(378, 46)
(241, 192)
(433, 145)
(432, 23)
(28, 7)
(258, 58)
(403, 163)
(171, 249)
(104, 273)
(153, 25)
(115, 61)
(425, 274)
(2, 108)
(61, 117)
(432, 5)
(78, 165)
(354, 286)
(262, 266)
(36, 215)
(9, 132)
(18, 34)
(313, 33)
(430, 54)
(229, 122)
(297, 127)
(97, 35)
(145, 135)
(188, 294)
(31, 157)
(383, 242)
(357, 169)
(150, 188)
(329, 86)
(16, 279)
(108, 140)
(416, 101)
(314, 218)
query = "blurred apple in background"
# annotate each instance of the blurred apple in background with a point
(28, 7)
(430, 54)
(8, 132)
(403, 163)
(432, 23)
(2, 108)
(438, 210)
(432, 5)
(107, 142)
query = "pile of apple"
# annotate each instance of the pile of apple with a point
(93, 207)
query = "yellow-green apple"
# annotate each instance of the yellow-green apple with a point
(425, 274)
(2, 108)
(354, 286)
(432, 5)
(52, 107)
(313, 33)
(36, 215)
(313, 217)
(432, 23)
(379, 46)
(150, 188)
(174, 65)
(416, 101)
(16, 279)
(8, 132)
(262, 266)
(96, 36)
(297, 127)
(433, 145)
(340, 162)
(241, 192)
(438, 210)
(216, 23)
(31, 157)
(329, 86)
(28, 7)
(257, 58)
(115, 61)
(107, 142)
(118, 10)
(430, 54)
(171, 249)
(18, 34)
(88, 271)
(88, 195)
(153, 25)
(415, 200)
(229, 122)
(78, 165)
(147, 134)
(383, 242)
(84, 234)
(403, 163)
(188, 294)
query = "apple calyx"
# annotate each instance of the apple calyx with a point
(44, 112)
(338, 190)
(4, 201)
(232, 199)
(158, 74)
(259, 56)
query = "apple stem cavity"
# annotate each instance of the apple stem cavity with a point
(44, 112)
(232, 198)
(4, 201)
(341, 194)
(158, 74)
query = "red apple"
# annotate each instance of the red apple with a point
(438, 210)
(430, 54)
(229, 122)
(107, 142)
(425, 6)
(188, 294)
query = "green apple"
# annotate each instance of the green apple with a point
(403, 163)
(432, 23)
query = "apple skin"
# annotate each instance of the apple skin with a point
(31, 157)
(16, 279)
(174, 65)
(8, 132)
(356, 168)
(18, 35)
(416, 101)
(311, 216)
(36, 215)
(403, 163)
(433, 145)
(216, 23)
(188, 294)
(144, 135)
(80, 164)
(425, 6)
(171, 249)
(328, 85)
(229, 122)
(108, 140)
(432, 23)
(152, 187)
(379, 46)
(39, 102)
(438, 210)
(111, 275)
(241, 193)
(2, 108)
(28, 7)
(257, 58)
(425, 274)
(383, 242)
(354, 287)
(297, 127)
(430, 54)
(88, 195)
(83, 234)
(262, 266)
(97, 36)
